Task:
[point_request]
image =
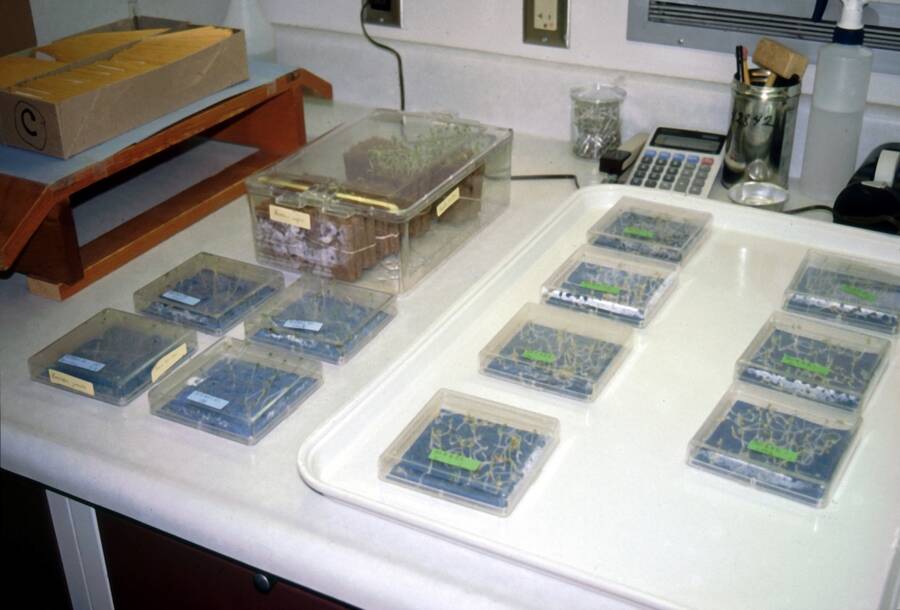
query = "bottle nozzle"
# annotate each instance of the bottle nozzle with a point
(851, 16)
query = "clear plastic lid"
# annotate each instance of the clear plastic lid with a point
(236, 390)
(650, 229)
(847, 290)
(557, 351)
(815, 361)
(471, 451)
(208, 292)
(113, 356)
(774, 443)
(597, 93)
(617, 286)
(321, 318)
(390, 165)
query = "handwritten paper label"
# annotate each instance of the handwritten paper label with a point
(168, 361)
(82, 363)
(806, 365)
(207, 400)
(288, 216)
(546, 357)
(454, 459)
(302, 325)
(639, 232)
(859, 293)
(449, 200)
(607, 288)
(773, 450)
(73, 383)
(180, 297)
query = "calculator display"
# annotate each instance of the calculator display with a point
(687, 142)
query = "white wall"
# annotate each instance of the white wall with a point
(57, 18)
(597, 36)
(197, 11)
(467, 56)
(597, 32)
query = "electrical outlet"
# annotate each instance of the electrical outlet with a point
(383, 12)
(546, 22)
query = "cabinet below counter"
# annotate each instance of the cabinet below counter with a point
(150, 570)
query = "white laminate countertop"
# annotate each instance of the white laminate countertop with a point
(249, 503)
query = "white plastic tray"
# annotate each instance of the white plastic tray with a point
(616, 507)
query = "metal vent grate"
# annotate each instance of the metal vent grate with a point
(783, 26)
(720, 25)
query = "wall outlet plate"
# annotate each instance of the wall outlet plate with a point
(546, 23)
(383, 12)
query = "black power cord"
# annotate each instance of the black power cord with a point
(810, 208)
(362, 23)
(549, 177)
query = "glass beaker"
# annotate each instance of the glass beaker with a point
(596, 127)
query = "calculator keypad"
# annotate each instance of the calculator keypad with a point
(678, 172)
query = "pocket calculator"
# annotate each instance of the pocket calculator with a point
(680, 161)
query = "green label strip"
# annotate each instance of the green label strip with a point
(639, 232)
(859, 293)
(608, 288)
(806, 365)
(454, 459)
(531, 354)
(773, 450)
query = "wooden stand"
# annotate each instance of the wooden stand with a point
(37, 233)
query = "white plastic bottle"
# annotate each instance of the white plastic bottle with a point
(843, 70)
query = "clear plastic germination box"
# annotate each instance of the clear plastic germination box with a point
(848, 291)
(622, 287)
(559, 351)
(775, 442)
(208, 292)
(471, 451)
(321, 318)
(815, 361)
(650, 229)
(236, 390)
(383, 200)
(113, 356)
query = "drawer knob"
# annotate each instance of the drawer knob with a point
(263, 582)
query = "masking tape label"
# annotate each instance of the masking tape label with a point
(302, 325)
(639, 232)
(537, 356)
(207, 400)
(287, 216)
(454, 459)
(73, 383)
(773, 450)
(806, 365)
(607, 288)
(168, 361)
(449, 200)
(82, 363)
(859, 293)
(180, 297)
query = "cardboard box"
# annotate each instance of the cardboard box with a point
(71, 125)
